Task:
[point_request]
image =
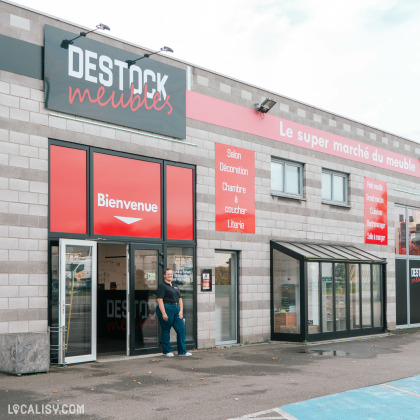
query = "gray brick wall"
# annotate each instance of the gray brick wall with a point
(25, 127)
(23, 207)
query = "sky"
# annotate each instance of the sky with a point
(356, 58)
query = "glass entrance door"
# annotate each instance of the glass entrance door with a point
(146, 263)
(226, 316)
(77, 301)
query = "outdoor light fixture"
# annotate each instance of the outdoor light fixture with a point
(265, 105)
(66, 42)
(165, 49)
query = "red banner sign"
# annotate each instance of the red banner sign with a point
(179, 203)
(376, 205)
(126, 196)
(215, 111)
(68, 190)
(235, 189)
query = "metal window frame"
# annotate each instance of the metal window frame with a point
(286, 162)
(406, 258)
(346, 186)
(334, 254)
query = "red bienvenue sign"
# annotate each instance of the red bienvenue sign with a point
(126, 197)
(376, 204)
(235, 189)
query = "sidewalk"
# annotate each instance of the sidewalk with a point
(217, 384)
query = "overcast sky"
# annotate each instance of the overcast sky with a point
(355, 58)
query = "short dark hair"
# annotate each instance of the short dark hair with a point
(166, 270)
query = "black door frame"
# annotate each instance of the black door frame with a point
(131, 294)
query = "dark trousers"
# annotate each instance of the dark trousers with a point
(173, 321)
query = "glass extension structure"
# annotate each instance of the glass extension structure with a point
(325, 291)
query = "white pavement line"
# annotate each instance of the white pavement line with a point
(287, 416)
(255, 415)
(402, 390)
(282, 415)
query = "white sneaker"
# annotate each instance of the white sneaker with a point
(187, 354)
(168, 354)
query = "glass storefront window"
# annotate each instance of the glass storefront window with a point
(366, 296)
(414, 231)
(414, 289)
(313, 299)
(327, 297)
(407, 250)
(340, 296)
(181, 261)
(53, 306)
(146, 262)
(354, 296)
(78, 300)
(400, 231)
(377, 296)
(286, 294)
(226, 297)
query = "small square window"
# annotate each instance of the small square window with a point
(334, 187)
(286, 178)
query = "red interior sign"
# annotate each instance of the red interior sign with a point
(376, 205)
(126, 197)
(235, 189)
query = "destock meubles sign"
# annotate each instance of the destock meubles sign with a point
(91, 79)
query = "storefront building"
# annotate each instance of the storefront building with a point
(293, 224)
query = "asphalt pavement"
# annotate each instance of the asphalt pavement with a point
(270, 380)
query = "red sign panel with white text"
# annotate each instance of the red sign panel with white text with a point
(376, 212)
(245, 119)
(235, 189)
(126, 196)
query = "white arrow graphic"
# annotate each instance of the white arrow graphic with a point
(128, 220)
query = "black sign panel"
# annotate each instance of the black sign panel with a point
(94, 80)
(414, 276)
(401, 290)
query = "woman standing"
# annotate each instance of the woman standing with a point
(170, 314)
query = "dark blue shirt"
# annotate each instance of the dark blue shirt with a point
(169, 294)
